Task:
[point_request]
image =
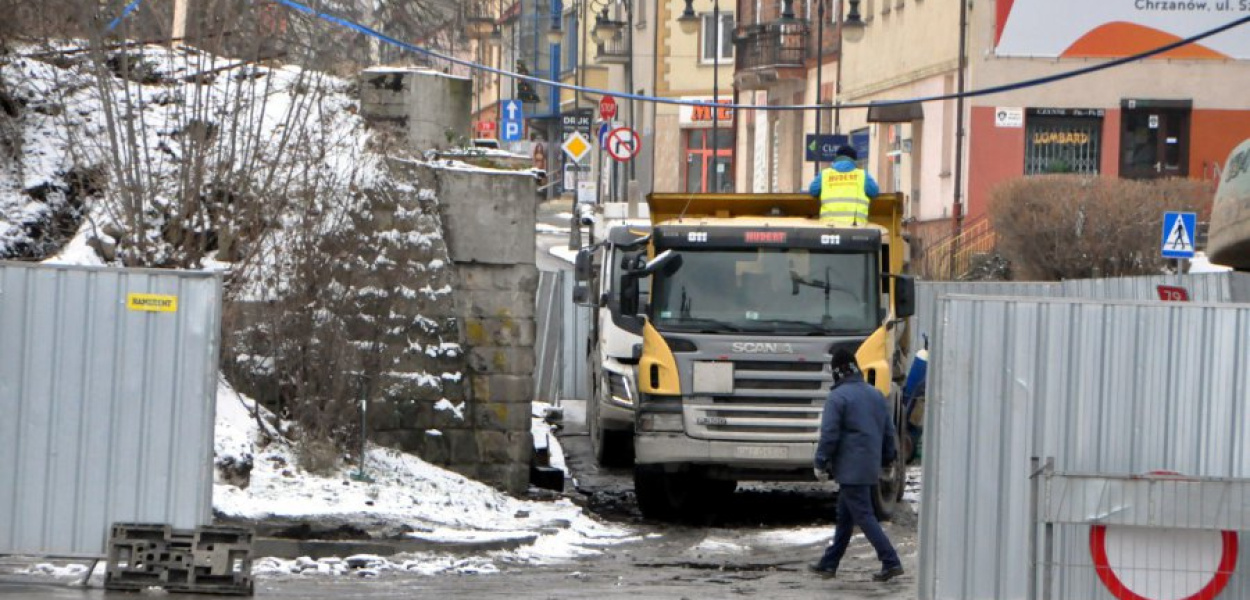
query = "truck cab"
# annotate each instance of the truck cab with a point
(615, 337)
(750, 297)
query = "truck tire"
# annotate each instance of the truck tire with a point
(611, 448)
(651, 488)
(676, 496)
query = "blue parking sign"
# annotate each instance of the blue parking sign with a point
(511, 125)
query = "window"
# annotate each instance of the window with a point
(570, 43)
(1063, 141)
(769, 291)
(705, 173)
(718, 47)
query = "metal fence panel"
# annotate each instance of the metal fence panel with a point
(1124, 388)
(928, 292)
(1204, 287)
(562, 341)
(575, 342)
(108, 409)
(549, 316)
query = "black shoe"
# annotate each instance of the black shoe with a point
(887, 574)
(823, 572)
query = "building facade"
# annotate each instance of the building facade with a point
(1176, 115)
(787, 54)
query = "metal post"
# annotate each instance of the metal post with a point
(1035, 498)
(820, 71)
(958, 208)
(715, 93)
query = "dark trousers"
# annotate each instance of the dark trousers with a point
(855, 509)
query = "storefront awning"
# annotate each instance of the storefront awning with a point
(896, 113)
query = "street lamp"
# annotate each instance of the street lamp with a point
(853, 25)
(689, 22)
(606, 28)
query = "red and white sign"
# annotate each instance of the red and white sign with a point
(607, 108)
(1172, 293)
(1143, 563)
(624, 144)
(1117, 28)
(486, 129)
(1138, 563)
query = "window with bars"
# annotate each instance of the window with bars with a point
(1062, 145)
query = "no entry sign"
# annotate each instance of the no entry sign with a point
(624, 144)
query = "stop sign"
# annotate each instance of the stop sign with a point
(607, 108)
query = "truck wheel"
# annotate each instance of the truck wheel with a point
(667, 496)
(878, 505)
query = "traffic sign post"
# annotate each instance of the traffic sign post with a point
(623, 144)
(607, 108)
(1179, 229)
(513, 117)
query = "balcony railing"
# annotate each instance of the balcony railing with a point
(614, 51)
(772, 45)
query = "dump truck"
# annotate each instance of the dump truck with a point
(750, 295)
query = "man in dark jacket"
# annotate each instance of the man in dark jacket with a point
(856, 439)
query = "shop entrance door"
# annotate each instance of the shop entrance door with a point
(1154, 139)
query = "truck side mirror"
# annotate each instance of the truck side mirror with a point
(583, 277)
(904, 297)
(584, 265)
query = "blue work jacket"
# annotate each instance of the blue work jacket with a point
(856, 433)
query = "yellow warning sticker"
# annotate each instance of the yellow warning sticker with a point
(152, 302)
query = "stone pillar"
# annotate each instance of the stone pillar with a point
(488, 222)
(428, 106)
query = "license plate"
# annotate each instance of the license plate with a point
(760, 452)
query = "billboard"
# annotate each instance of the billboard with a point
(1117, 28)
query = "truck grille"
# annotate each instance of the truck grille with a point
(773, 401)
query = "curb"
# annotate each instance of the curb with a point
(316, 549)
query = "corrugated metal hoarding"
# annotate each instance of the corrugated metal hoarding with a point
(1120, 389)
(107, 387)
(928, 292)
(1206, 287)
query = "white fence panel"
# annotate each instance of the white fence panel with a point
(107, 402)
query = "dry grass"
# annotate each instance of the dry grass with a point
(1054, 227)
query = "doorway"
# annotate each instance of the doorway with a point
(1154, 139)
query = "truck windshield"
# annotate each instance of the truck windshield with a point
(769, 290)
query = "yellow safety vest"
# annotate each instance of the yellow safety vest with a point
(842, 199)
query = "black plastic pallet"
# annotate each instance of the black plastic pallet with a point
(209, 560)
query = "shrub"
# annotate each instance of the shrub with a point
(1053, 227)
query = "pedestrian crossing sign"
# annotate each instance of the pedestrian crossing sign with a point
(1179, 229)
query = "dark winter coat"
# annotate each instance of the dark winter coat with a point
(856, 433)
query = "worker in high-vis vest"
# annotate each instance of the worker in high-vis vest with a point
(844, 190)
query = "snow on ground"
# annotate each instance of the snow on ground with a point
(1201, 264)
(436, 504)
(563, 253)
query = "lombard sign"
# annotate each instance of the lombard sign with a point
(1117, 28)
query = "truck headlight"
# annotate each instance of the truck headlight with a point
(619, 389)
(660, 422)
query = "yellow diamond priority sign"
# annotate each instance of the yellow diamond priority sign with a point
(576, 146)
